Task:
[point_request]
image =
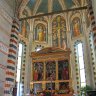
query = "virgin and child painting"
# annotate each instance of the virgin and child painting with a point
(38, 71)
(63, 70)
(50, 70)
(40, 32)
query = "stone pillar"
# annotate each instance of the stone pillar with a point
(94, 7)
(12, 59)
(93, 26)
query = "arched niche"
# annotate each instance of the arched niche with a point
(25, 28)
(59, 37)
(76, 25)
(40, 32)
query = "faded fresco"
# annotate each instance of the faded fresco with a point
(76, 27)
(25, 29)
(59, 32)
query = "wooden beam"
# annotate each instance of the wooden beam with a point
(52, 13)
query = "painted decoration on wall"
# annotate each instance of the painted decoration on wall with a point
(76, 27)
(50, 70)
(38, 71)
(25, 29)
(40, 32)
(63, 70)
(59, 37)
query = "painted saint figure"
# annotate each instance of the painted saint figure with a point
(23, 28)
(35, 75)
(76, 27)
(40, 34)
(65, 73)
(38, 71)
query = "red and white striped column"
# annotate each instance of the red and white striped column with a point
(12, 59)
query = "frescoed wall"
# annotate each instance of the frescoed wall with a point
(25, 28)
(76, 27)
(59, 32)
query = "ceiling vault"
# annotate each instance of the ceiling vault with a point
(50, 3)
(38, 2)
(52, 13)
(22, 6)
(76, 2)
(62, 4)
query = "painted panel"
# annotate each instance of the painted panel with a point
(50, 70)
(38, 71)
(37, 87)
(50, 86)
(63, 70)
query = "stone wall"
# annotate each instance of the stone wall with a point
(6, 15)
